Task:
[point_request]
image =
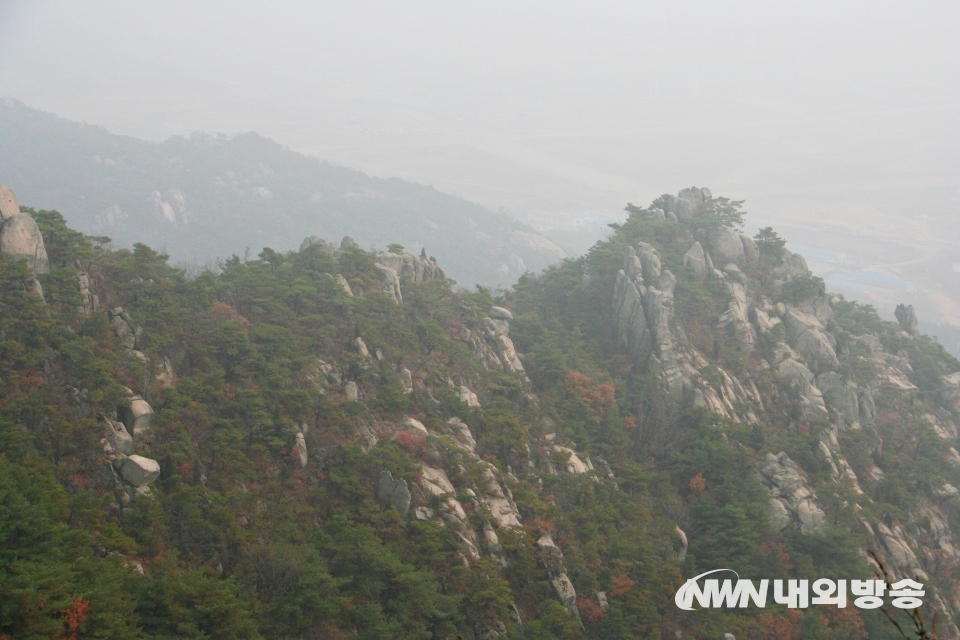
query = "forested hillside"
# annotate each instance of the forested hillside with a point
(332, 443)
(204, 196)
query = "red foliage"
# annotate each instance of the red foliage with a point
(848, 620)
(621, 584)
(629, 423)
(779, 551)
(413, 441)
(541, 526)
(803, 429)
(590, 611)
(596, 397)
(225, 313)
(779, 626)
(74, 616)
(33, 381)
(697, 483)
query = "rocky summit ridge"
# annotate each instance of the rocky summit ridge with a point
(333, 441)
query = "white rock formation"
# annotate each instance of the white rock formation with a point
(139, 471)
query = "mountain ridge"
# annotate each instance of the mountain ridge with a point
(330, 441)
(203, 196)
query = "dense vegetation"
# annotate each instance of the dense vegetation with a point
(237, 540)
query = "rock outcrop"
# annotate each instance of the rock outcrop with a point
(735, 318)
(411, 266)
(136, 416)
(695, 259)
(726, 246)
(791, 499)
(907, 318)
(642, 314)
(8, 203)
(552, 558)
(393, 492)
(811, 340)
(389, 283)
(842, 396)
(20, 238)
(130, 335)
(683, 205)
(139, 471)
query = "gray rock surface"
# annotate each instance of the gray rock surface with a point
(841, 396)
(407, 378)
(726, 246)
(793, 265)
(326, 246)
(393, 492)
(351, 391)
(666, 283)
(411, 266)
(139, 471)
(118, 437)
(511, 361)
(552, 558)
(794, 372)
(695, 259)
(136, 416)
(344, 285)
(649, 262)
(360, 347)
(468, 397)
(389, 282)
(643, 329)
(20, 238)
(811, 340)
(682, 553)
(500, 313)
(791, 499)
(414, 425)
(735, 318)
(8, 203)
(907, 318)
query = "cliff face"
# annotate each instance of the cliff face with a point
(333, 441)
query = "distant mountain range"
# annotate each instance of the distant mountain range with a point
(207, 196)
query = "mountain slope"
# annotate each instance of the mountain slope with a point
(285, 449)
(205, 196)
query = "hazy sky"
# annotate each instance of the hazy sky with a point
(801, 108)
